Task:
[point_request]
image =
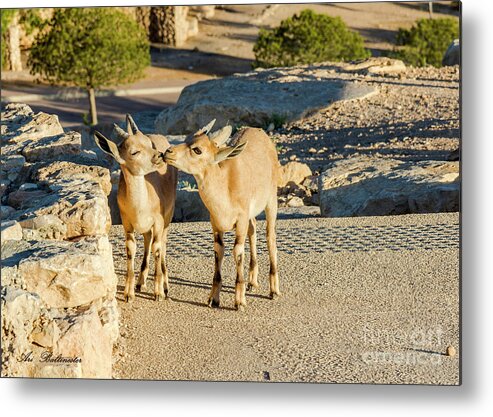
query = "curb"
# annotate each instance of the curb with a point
(66, 96)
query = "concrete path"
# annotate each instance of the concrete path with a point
(373, 300)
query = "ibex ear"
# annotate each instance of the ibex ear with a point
(229, 152)
(131, 126)
(107, 146)
(219, 137)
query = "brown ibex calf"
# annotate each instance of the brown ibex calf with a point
(236, 183)
(146, 198)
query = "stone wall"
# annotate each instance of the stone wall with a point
(59, 312)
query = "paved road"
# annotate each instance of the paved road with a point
(159, 88)
(70, 104)
(364, 300)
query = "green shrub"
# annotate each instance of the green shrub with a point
(426, 42)
(90, 48)
(31, 20)
(307, 38)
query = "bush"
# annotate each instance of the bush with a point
(90, 48)
(307, 38)
(426, 42)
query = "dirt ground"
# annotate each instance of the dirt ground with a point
(414, 117)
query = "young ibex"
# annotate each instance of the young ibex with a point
(146, 198)
(236, 183)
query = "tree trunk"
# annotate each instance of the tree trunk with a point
(13, 46)
(169, 25)
(430, 9)
(92, 106)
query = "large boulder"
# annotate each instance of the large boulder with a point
(189, 206)
(452, 54)
(258, 97)
(366, 186)
(63, 274)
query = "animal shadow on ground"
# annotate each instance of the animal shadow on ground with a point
(149, 295)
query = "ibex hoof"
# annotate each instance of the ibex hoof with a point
(213, 303)
(158, 297)
(274, 295)
(240, 307)
(128, 298)
(138, 288)
(251, 287)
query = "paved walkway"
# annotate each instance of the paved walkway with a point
(364, 300)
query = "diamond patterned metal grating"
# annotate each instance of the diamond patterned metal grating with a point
(331, 239)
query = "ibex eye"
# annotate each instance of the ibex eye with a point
(134, 153)
(197, 151)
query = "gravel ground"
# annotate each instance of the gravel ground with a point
(347, 314)
(415, 116)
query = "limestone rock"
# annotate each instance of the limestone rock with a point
(64, 274)
(9, 162)
(90, 336)
(21, 124)
(295, 201)
(61, 171)
(113, 205)
(294, 172)
(22, 199)
(10, 230)
(452, 54)
(287, 93)
(20, 310)
(6, 211)
(366, 186)
(53, 147)
(4, 184)
(46, 331)
(377, 66)
(311, 183)
(189, 206)
(57, 370)
(45, 226)
(28, 186)
(79, 204)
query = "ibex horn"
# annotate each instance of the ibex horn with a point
(219, 137)
(206, 129)
(120, 132)
(131, 126)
